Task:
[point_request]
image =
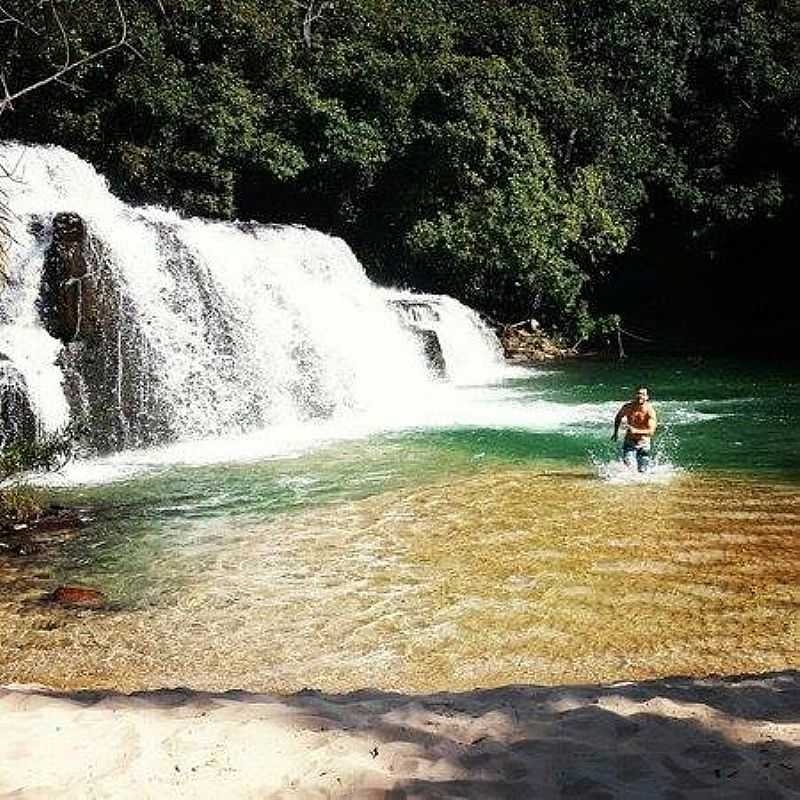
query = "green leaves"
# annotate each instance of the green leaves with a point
(504, 152)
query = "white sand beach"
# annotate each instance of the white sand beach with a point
(671, 738)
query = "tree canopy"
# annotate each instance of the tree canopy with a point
(561, 160)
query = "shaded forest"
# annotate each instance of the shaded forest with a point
(575, 162)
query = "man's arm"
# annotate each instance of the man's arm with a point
(618, 420)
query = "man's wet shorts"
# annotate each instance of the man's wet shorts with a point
(641, 450)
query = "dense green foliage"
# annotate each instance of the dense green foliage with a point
(526, 157)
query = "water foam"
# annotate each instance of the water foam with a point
(471, 351)
(270, 331)
(618, 473)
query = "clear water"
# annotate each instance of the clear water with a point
(488, 540)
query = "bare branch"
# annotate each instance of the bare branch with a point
(10, 97)
(323, 7)
(7, 216)
(72, 86)
(64, 36)
(313, 11)
(5, 238)
(4, 86)
(3, 255)
(129, 46)
(10, 19)
(11, 174)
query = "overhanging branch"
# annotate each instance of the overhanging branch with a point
(7, 101)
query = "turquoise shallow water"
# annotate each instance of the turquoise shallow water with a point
(714, 417)
(714, 414)
(492, 548)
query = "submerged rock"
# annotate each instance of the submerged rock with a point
(24, 535)
(79, 597)
(56, 519)
(18, 544)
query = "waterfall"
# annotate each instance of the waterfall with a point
(186, 329)
(471, 351)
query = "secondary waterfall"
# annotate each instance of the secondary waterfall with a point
(186, 329)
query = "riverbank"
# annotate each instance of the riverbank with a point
(525, 343)
(737, 737)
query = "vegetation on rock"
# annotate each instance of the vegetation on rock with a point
(18, 502)
(48, 452)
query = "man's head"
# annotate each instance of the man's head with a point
(641, 395)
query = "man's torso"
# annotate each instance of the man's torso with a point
(638, 417)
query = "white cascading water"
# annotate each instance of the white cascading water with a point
(246, 327)
(471, 351)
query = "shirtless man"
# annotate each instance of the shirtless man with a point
(641, 420)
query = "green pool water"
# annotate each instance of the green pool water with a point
(497, 543)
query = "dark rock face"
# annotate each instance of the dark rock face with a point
(81, 302)
(17, 420)
(417, 313)
(67, 299)
(418, 316)
(432, 348)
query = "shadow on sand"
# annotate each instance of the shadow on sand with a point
(671, 738)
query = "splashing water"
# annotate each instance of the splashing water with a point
(609, 466)
(221, 329)
(619, 473)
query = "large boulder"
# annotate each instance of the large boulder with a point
(107, 380)
(68, 294)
